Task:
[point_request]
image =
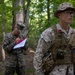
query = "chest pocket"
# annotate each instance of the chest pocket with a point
(60, 51)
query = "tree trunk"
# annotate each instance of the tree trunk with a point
(3, 25)
(18, 13)
(48, 11)
(14, 14)
(26, 18)
(21, 15)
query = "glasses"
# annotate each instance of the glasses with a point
(69, 12)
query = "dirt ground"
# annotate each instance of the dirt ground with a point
(29, 62)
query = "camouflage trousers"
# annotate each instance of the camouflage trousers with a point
(62, 70)
(12, 70)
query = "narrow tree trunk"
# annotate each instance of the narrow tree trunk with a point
(3, 25)
(20, 13)
(26, 18)
(27, 13)
(14, 14)
(48, 11)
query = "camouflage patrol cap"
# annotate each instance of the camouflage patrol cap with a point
(20, 25)
(63, 7)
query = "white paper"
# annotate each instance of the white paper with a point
(21, 44)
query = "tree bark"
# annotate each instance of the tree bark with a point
(13, 14)
(3, 25)
(48, 11)
(20, 12)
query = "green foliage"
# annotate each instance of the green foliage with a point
(38, 20)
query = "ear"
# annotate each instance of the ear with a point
(58, 14)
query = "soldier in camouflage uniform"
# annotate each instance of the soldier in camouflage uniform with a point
(14, 60)
(56, 39)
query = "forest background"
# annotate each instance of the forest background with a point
(40, 16)
(37, 15)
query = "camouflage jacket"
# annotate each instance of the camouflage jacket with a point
(13, 56)
(45, 42)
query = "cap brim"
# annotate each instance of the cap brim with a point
(59, 11)
(21, 25)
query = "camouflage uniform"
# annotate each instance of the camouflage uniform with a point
(61, 53)
(46, 41)
(14, 60)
